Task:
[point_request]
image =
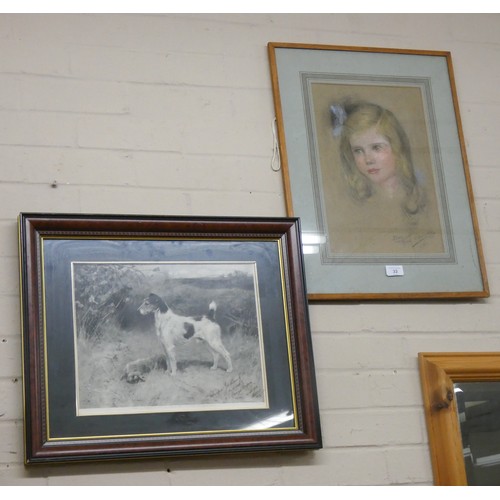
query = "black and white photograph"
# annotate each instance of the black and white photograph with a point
(167, 336)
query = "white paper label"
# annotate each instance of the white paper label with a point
(394, 271)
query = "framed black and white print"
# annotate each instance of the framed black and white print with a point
(155, 336)
(374, 164)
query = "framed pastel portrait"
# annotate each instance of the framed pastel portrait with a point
(158, 336)
(374, 164)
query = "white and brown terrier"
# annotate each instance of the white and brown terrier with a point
(173, 329)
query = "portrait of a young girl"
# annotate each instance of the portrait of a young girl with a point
(378, 185)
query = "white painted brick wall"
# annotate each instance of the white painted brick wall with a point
(172, 114)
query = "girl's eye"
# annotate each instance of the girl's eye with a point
(379, 147)
(357, 151)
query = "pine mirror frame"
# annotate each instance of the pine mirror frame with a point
(438, 372)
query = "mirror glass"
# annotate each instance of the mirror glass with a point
(478, 405)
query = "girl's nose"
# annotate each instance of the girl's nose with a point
(369, 157)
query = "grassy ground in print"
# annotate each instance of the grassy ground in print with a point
(101, 367)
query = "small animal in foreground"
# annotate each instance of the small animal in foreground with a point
(135, 370)
(173, 329)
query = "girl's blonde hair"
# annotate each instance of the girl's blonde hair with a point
(360, 116)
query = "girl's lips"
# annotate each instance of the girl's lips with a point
(372, 171)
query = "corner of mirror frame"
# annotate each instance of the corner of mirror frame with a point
(438, 372)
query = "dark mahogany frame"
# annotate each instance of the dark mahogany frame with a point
(39, 448)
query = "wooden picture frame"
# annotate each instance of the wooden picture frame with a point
(100, 378)
(404, 227)
(439, 371)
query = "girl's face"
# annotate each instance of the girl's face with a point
(374, 157)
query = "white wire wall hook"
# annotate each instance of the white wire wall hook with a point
(276, 159)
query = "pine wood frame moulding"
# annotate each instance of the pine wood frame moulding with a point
(438, 372)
